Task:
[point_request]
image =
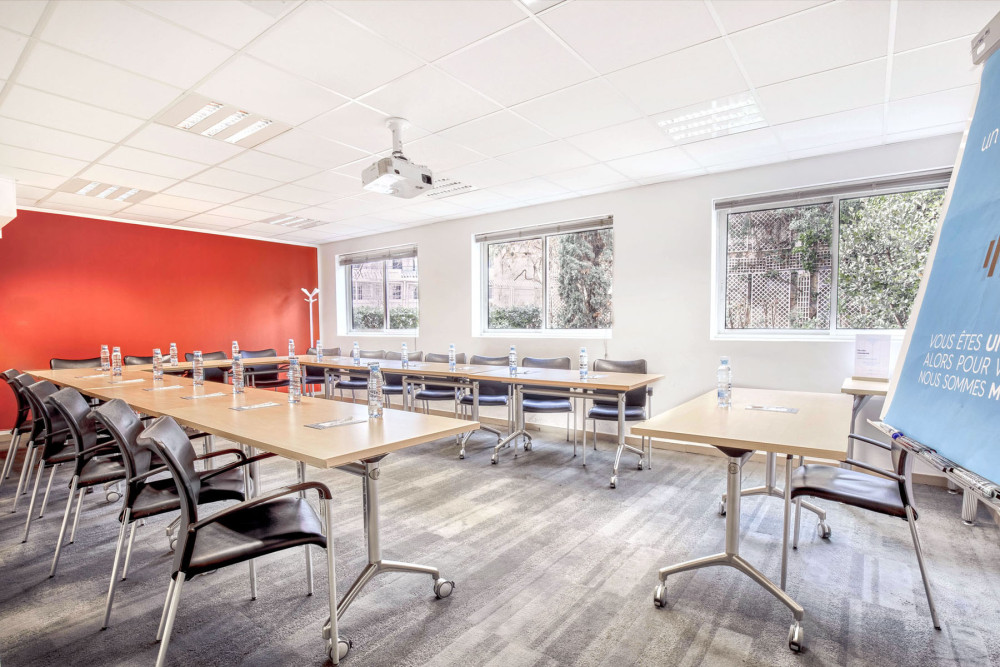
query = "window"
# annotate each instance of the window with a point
(829, 260)
(551, 278)
(382, 282)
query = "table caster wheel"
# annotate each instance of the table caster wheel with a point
(639, 467)
(614, 481)
(443, 588)
(722, 508)
(461, 455)
(796, 637)
(343, 646)
(494, 460)
(527, 446)
(824, 530)
(660, 595)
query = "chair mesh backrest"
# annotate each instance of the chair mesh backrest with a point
(55, 363)
(634, 398)
(169, 441)
(396, 379)
(137, 361)
(75, 410)
(212, 374)
(52, 421)
(317, 371)
(558, 363)
(435, 358)
(489, 387)
(125, 427)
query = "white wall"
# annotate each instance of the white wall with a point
(662, 281)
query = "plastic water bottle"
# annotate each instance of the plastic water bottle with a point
(173, 354)
(105, 358)
(319, 351)
(294, 379)
(356, 354)
(724, 383)
(451, 357)
(238, 379)
(374, 391)
(116, 363)
(583, 363)
(157, 364)
(512, 361)
(236, 349)
(197, 368)
(291, 348)
(404, 357)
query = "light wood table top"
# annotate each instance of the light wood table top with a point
(553, 377)
(865, 387)
(819, 429)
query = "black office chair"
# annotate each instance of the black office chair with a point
(392, 383)
(94, 464)
(263, 376)
(214, 374)
(137, 361)
(22, 422)
(359, 381)
(279, 520)
(638, 407)
(432, 392)
(56, 364)
(314, 375)
(887, 492)
(542, 404)
(491, 393)
(37, 430)
(146, 497)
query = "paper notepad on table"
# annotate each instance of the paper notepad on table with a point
(217, 393)
(254, 406)
(773, 408)
(346, 421)
(95, 375)
(119, 382)
(173, 386)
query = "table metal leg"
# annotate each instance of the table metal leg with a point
(309, 565)
(770, 489)
(731, 556)
(621, 441)
(860, 401)
(518, 430)
(970, 506)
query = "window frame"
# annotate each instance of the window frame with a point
(832, 333)
(385, 330)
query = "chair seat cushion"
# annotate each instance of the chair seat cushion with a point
(352, 384)
(392, 389)
(484, 400)
(546, 405)
(101, 470)
(850, 487)
(160, 495)
(268, 384)
(315, 379)
(435, 395)
(256, 531)
(610, 412)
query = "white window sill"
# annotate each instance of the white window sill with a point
(401, 333)
(841, 336)
(577, 334)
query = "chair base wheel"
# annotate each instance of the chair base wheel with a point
(796, 637)
(112, 496)
(461, 455)
(527, 446)
(660, 595)
(722, 508)
(614, 481)
(443, 588)
(823, 530)
(343, 646)
(494, 460)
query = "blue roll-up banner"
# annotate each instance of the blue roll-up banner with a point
(947, 395)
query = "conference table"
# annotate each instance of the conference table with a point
(785, 422)
(321, 433)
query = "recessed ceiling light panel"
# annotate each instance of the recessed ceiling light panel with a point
(218, 120)
(199, 115)
(293, 222)
(717, 118)
(98, 190)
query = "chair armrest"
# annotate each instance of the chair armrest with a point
(322, 489)
(149, 473)
(222, 452)
(236, 464)
(91, 450)
(878, 471)
(862, 438)
(61, 431)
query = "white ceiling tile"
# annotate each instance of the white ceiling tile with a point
(316, 42)
(237, 211)
(309, 148)
(58, 71)
(73, 209)
(128, 37)
(358, 126)
(439, 154)
(354, 169)
(548, 158)
(192, 226)
(484, 174)
(376, 201)
(928, 111)
(232, 23)
(440, 208)
(305, 236)
(612, 34)
(430, 99)
(260, 88)
(587, 178)
(234, 180)
(137, 159)
(737, 15)
(933, 68)
(923, 22)
(299, 194)
(36, 161)
(179, 203)
(480, 200)
(216, 220)
(22, 15)
(182, 144)
(34, 106)
(829, 36)
(517, 65)
(259, 229)
(606, 188)
(588, 106)
(133, 179)
(831, 129)
(269, 166)
(735, 148)
(48, 140)
(205, 192)
(72, 199)
(632, 138)
(11, 45)
(840, 89)
(831, 149)
(347, 208)
(156, 213)
(401, 215)
(333, 183)
(31, 192)
(745, 163)
(697, 74)
(497, 134)
(529, 190)
(262, 203)
(654, 164)
(936, 131)
(34, 178)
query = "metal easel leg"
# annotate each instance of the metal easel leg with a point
(912, 520)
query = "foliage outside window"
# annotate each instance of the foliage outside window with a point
(552, 282)
(381, 287)
(780, 262)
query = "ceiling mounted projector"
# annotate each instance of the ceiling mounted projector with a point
(395, 175)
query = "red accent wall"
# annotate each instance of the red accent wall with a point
(70, 284)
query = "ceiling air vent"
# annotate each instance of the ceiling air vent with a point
(218, 120)
(448, 187)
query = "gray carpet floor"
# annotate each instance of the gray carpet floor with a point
(552, 568)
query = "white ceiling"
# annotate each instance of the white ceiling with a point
(527, 107)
